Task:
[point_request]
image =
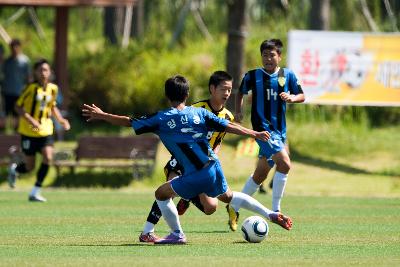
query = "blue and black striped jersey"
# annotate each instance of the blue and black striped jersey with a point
(268, 109)
(183, 133)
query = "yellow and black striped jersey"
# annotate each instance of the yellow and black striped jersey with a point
(38, 102)
(215, 138)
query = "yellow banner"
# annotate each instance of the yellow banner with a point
(347, 68)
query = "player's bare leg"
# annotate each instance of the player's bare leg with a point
(240, 200)
(251, 186)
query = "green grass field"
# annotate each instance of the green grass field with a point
(343, 195)
(101, 228)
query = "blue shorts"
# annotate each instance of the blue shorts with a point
(274, 144)
(209, 180)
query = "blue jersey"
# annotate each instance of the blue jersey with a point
(268, 109)
(183, 133)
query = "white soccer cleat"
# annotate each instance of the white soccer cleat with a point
(37, 198)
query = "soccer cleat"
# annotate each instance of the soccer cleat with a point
(233, 218)
(172, 239)
(182, 206)
(150, 237)
(36, 198)
(12, 175)
(281, 220)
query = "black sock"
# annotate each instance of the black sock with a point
(197, 203)
(21, 168)
(41, 174)
(154, 214)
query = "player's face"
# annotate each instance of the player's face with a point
(221, 92)
(270, 60)
(43, 73)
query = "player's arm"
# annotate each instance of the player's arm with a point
(239, 107)
(57, 114)
(20, 110)
(295, 94)
(92, 112)
(23, 114)
(289, 98)
(240, 130)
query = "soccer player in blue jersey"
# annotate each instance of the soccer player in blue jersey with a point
(220, 88)
(183, 131)
(272, 87)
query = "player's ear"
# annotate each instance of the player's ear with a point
(212, 88)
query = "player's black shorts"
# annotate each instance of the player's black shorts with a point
(173, 166)
(32, 145)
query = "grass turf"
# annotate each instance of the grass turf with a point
(101, 228)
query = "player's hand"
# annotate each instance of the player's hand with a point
(35, 125)
(263, 136)
(286, 97)
(65, 124)
(239, 117)
(91, 112)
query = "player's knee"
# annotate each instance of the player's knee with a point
(160, 194)
(209, 209)
(283, 167)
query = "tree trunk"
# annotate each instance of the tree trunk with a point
(109, 26)
(319, 15)
(138, 20)
(237, 23)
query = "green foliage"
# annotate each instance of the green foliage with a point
(131, 81)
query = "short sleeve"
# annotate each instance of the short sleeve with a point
(294, 84)
(214, 122)
(145, 124)
(27, 91)
(245, 85)
(54, 92)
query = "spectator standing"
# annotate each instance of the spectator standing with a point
(16, 75)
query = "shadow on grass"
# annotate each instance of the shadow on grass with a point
(109, 178)
(110, 245)
(332, 165)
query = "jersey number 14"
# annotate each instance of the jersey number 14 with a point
(271, 93)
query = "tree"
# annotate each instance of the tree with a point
(237, 24)
(138, 20)
(319, 15)
(109, 30)
(113, 23)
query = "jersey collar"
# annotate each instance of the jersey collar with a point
(212, 110)
(272, 74)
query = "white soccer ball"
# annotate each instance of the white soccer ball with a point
(254, 229)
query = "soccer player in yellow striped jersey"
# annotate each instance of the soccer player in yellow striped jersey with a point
(35, 107)
(220, 88)
(215, 138)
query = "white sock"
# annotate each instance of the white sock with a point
(170, 215)
(278, 188)
(241, 200)
(35, 191)
(148, 228)
(250, 187)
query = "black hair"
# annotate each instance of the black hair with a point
(272, 44)
(177, 88)
(217, 77)
(15, 42)
(39, 63)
